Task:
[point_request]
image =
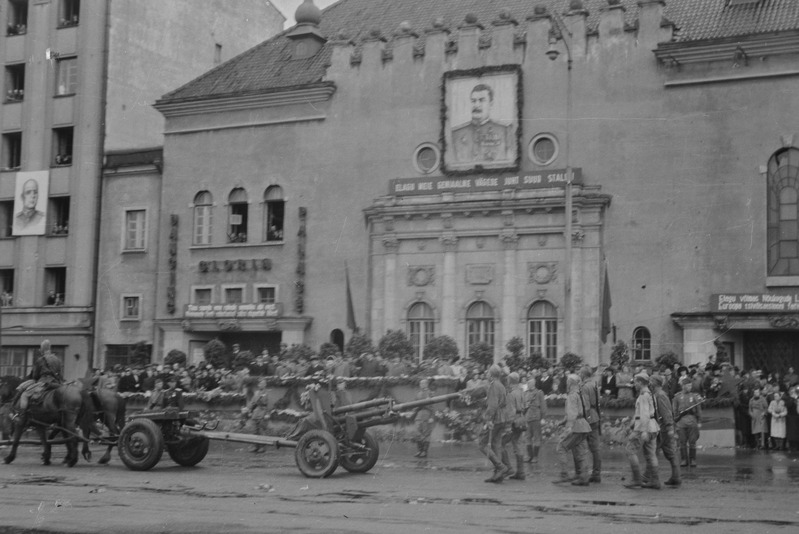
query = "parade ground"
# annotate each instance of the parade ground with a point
(234, 490)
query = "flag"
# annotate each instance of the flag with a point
(351, 324)
(606, 304)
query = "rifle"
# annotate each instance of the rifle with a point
(685, 411)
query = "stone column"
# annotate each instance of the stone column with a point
(448, 315)
(391, 244)
(510, 241)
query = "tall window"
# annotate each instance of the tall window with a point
(6, 218)
(12, 150)
(62, 146)
(237, 216)
(18, 360)
(66, 76)
(130, 307)
(70, 13)
(542, 330)
(782, 232)
(479, 324)
(17, 17)
(55, 281)
(59, 215)
(202, 218)
(421, 327)
(135, 229)
(642, 344)
(273, 214)
(6, 287)
(15, 82)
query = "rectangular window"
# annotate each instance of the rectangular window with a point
(130, 307)
(6, 287)
(55, 281)
(66, 76)
(135, 229)
(6, 218)
(202, 225)
(238, 223)
(203, 295)
(217, 54)
(69, 14)
(62, 146)
(234, 295)
(127, 355)
(266, 295)
(18, 360)
(15, 82)
(17, 17)
(12, 151)
(58, 212)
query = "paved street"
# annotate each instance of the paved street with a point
(234, 490)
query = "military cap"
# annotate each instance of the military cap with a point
(642, 377)
(685, 380)
(656, 380)
(495, 371)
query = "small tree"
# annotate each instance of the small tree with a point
(175, 356)
(215, 353)
(327, 349)
(243, 359)
(571, 362)
(619, 354)
(515, 358)
(357, 345)
(298, 351)
(537, 361)
(667, 359)
(482, 353)
(441, 347)
(141, 353)
(395, 344)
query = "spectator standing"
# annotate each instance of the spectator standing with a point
(624, 383)
(792, 418)
(778, 413)
(758, 407)
(590, 399)
(546, 380)
(424, 420)
(608, 384)
(536, 410)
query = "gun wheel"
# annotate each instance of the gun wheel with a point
(361, 455)
(317, 454)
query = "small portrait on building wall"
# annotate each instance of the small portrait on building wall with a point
(481, 119)
(30, 203)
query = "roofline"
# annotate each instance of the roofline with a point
(753, 45)
(277, 96)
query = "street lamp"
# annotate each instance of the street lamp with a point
(553, 54)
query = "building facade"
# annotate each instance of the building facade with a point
(78, 80)
(490, 172)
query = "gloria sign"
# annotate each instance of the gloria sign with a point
(754, 303)
(228, 311)
(492, 182)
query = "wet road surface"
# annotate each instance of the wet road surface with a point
(234, 490)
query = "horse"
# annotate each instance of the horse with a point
(106, 407)
(8, 386)
(64, 407)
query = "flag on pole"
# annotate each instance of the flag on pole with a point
(606, 304)
(351, 324)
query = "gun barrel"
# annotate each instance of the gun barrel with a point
(426, 402)
(360, 406)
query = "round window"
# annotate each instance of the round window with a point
(427, 158)
(543, 149)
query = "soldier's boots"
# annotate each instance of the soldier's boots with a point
(635, 481)
(684, 456)
(519, 474)
(692, 457)
(564, 478)
(651, 479)
(419, 449)
(529, 454)
(673, 482)
(423, 451)
(595, 479)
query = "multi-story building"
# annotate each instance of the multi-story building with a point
(484, 169)
(79, 80)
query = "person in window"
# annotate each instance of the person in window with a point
(52, 298)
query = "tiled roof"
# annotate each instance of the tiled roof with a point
(269, 66)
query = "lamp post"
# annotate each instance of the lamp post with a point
(552, 54)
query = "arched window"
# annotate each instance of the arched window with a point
(542, 330)
(479, 325)
(337, 338)
(421, 327)
(237, 216)
(202, 218)
(782, 232)
(274, 205)
(642, 344)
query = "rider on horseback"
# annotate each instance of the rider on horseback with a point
(47, 371)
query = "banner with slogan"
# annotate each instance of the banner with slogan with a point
(754, 303)
(229, 311)
(488, 182)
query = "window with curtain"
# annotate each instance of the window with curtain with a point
(421, 327)
(479, 325)
(642, 344)
(237, 216)
(273, 213)
(542, 330)
(782, 231)
(202, 218)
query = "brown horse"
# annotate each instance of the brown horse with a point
(63, 407)
(108, 408)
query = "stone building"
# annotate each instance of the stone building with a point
(435, 148)
(79, 80)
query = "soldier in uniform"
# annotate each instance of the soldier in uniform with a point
(496, 417)
(667, 438)
(46, 375)
(424, 420)
(590, 395)
(173, 396)
(482, 139)
(644, 435)
(518, 424)
(536, 410)
(687, 416)
(574, 438)
(257, 409)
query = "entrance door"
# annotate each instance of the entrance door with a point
(771, 351)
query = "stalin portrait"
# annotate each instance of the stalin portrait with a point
(483, 139)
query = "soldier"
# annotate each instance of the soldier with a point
(667, 438)
(518, 424)
(574, 438)
(257, 409)
(424, 420)
(536, 406)
(643, 435)
(687, 417)
(157, 396)
(496, 418)
(173, 397)
(590, 395)
(482, 139)
(46, 375)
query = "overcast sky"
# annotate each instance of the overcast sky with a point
(288, 7)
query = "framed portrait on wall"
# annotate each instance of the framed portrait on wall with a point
(481, 119)
(30, 203)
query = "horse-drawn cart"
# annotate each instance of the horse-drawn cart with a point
(329, 437)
